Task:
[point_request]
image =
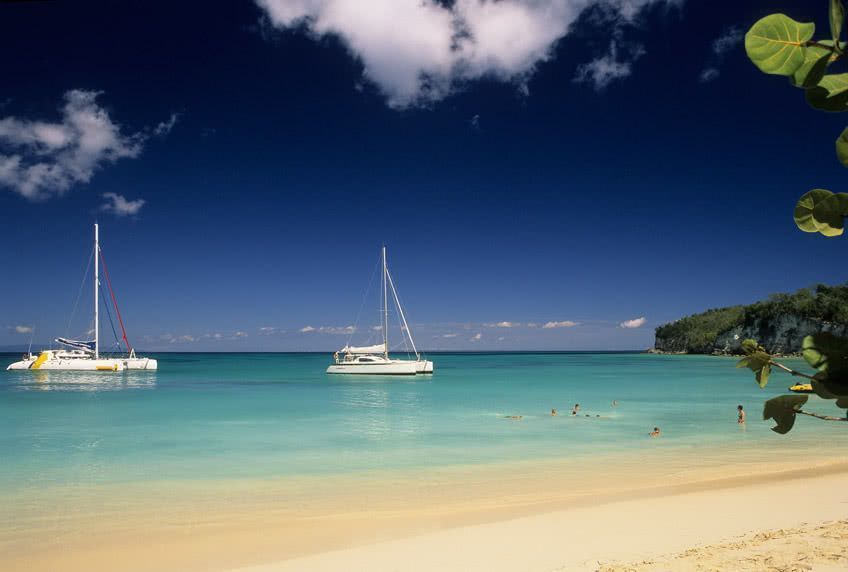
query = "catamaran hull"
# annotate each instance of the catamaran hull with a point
(141, 363)
(110, 365)
(394, 368)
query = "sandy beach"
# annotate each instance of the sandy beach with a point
(520, 517)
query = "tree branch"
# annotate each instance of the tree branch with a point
(818, 416)
(790, 370)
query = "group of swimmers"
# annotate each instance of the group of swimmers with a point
(740, 417)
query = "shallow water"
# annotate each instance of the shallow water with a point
(233, 416)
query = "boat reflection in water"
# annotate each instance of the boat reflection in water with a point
(78, 381)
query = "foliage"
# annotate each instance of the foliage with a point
(826, 353)
(698, 333)
(779, 45)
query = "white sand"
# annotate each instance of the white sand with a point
(589, 538)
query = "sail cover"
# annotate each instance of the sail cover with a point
(79, 344)
(377, 349)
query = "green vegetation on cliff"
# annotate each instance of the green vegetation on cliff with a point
(698, 333)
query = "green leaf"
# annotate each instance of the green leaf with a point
(842, 147)
(804, 210)
(775, 44)
(811, 72)
(750, 346)
(831, 93)
(783, 410)
(837, 18)
(826, 353)
(829, 388)
(828, 215)
(763, 375)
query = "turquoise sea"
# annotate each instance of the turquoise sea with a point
(232, 416)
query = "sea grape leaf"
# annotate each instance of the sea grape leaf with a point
(757, 361)
(750, 346)
(827, 353)
(804, 210)
(775, 44)
(762, 376)
(828, 387)
(837, 18)
(842, 148)
(811, 72)
(831, 93)
(783, 411)
(828, 215)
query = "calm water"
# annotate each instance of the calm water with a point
(213, 416)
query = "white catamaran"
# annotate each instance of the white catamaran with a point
(374, 359)
(85, 354)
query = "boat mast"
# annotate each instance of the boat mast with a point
(402, 316)
(96, 292)
(385, 307)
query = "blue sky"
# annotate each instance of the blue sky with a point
(558, 163)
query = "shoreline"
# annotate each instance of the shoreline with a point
(242, 523)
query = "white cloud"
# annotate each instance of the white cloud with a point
(330, 329)
(727, 41)
(165, 126)
(39, 159)
(731, 38)
(634, 323)
(120, 206)
(269, 330)
(448, 335)
(23, 329)
(562, 324)
(418, 51)
(503, 325)
(604, 70)
(240, 335)
(532, 325)
(476, 337)
(377, 328)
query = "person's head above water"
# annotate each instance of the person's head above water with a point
(739, 407)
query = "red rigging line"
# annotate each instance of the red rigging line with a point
(114, 301)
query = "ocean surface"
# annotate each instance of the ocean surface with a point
(233, 416)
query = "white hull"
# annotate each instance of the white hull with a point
(424, 366)
(140, 363)
(53, 363)
(394, 367)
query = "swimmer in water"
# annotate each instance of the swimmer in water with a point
(576, 409)
(514, 417)
(553, 412)
(655, 432)
(741, 415)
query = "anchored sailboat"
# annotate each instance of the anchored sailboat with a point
(374, 359)
(84, 355)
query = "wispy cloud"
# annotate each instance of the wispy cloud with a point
(562, 324)
(240, 335)
(449, 336)
(419, 51)
(730, 39)
(612, 66)
(634, 323)
(329, 329)
(269, 330)
(40, 159)
(165, 127)
(503, 325)
(23, 329)
(476, 337)
(120, 206)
